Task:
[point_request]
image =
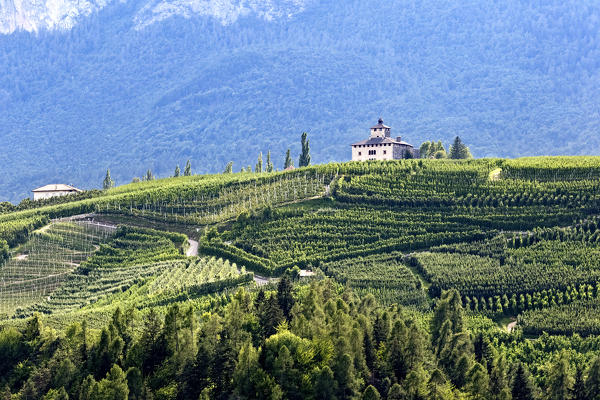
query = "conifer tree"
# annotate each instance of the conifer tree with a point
(522, 387)
(458, 150)
(269, 163)
(371, 393)
(288, 160)
(560, 381)
(304, 160)
(592, 383)
(325, 385)
(108, 182)
(229, 168)
(285, 297)
(149, 176)
(188, 169)
(177, 172)
(478, 385)
(259, 164)
(578, 391)
(396, 392)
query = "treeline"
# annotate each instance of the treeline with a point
(303, 342)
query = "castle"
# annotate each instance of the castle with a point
(380, 146)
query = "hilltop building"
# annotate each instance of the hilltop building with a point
(54, 190)
(380, 146)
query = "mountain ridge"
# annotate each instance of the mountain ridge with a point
(107, 95)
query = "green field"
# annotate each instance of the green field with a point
(383, 246)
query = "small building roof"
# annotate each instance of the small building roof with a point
(381, 140)
(57, 187)
(380, 125)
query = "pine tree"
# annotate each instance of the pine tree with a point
(177, 172)
(229, 168)
(560, 381)
(396, 392)
(108, 182)
(522, 387)
(188, 169)
(325, 385)
(269, 163)
(478, 385)
(285, 297)
(578, 391)
(304, 160)
(458, 150)
(592, 383)
(288, 160)
(259, 164)
(371, 393)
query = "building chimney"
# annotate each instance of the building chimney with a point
(398, 138)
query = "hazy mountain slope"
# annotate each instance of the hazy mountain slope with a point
(118, 91)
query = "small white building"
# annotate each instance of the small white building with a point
(55, 190)
(380, 146)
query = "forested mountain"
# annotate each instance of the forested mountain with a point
(138, 84)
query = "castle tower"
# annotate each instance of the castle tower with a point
(380, 130)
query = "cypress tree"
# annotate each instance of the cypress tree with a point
(288, 160)
(304, 160)
(149, 176)
(108, 182)
(188, 169)
(229, 168)
(269, 163)
(259, 164)
(177, 172)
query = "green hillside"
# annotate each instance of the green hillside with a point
(409, 279)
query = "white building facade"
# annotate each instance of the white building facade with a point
(380, 146)
(54, 190)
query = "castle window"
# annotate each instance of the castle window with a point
(359, 153)
(372, 152)
(384, 152)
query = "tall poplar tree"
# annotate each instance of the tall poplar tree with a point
(188, 169)
(177, 172)
(304, 160)
(229, 168)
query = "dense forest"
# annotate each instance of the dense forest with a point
(510, 78)
(408, 279)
